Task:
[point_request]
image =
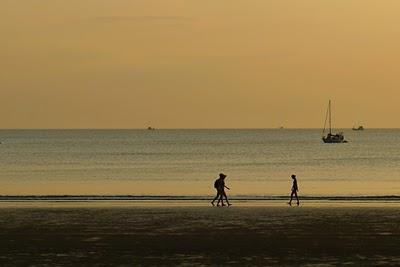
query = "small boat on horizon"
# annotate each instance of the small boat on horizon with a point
(359, 128)
(331, 138)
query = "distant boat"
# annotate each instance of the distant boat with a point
(359, 128)
(330, 138)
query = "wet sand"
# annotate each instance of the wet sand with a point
(170, 235)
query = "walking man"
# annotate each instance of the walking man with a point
(220, 186)
(295, 189)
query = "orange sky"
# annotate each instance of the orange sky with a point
(198, 64)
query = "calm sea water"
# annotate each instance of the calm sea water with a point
(186, 162)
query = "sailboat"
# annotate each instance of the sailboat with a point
(330, 137)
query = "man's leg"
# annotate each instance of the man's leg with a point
(212, 202)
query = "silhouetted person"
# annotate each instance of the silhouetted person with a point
(217, 186)
(295, 188)
(220, 186)
(222, 190)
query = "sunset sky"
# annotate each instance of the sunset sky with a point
(198, 64)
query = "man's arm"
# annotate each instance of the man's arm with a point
(227, 187)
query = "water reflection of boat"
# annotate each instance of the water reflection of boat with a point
(330, 137)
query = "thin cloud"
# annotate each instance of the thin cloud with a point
(145, 18)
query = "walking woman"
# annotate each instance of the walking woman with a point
(295, 189)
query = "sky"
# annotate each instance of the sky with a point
(198, 64)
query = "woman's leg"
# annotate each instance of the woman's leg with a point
(221, 199)
(298, 202)
(291, 198)
(226, 198)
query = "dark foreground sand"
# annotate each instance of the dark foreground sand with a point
(164, 236)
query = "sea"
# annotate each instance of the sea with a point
(185, 162)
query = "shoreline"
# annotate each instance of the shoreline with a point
(247, 204)
(194, 197)
(109, 201)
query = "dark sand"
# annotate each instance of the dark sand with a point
(171, 235)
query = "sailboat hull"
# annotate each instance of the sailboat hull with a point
(334, 139)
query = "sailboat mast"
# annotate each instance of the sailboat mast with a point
(330, 118)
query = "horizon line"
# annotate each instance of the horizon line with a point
(200, 128)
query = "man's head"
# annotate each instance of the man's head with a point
(293, 176)
(222, 176)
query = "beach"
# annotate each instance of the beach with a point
(182, 234)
